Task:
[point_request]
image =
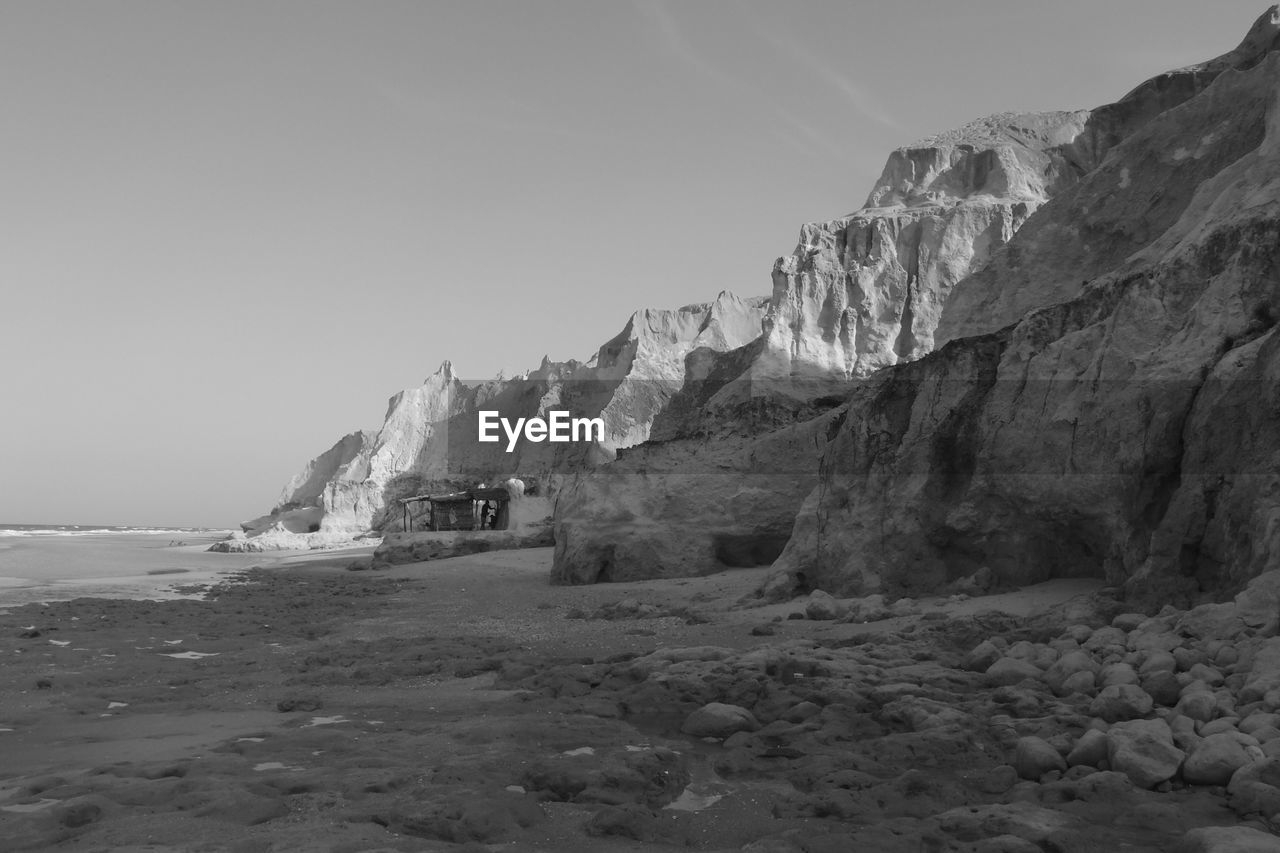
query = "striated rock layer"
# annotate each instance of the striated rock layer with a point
(686, 507)
(1092, 271)
(1128, 428)
(859, 293)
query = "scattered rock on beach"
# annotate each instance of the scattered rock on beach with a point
(1035, 757)
(1215, 759)
(719, 720)
(305, 704)
(1120, 702)
(822, 606)
(1228, 839)
(1144, 751)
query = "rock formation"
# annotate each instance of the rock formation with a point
(1124, 426)
(427, 439)
(867, 290)
(686, 507)
(858, 294)
(1104, 281)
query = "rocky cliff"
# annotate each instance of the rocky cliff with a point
(858, 294)
(867, 290)
(427, 438)
(1043, 440)
(1117, 415)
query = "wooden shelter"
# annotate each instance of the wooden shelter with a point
(471, 509)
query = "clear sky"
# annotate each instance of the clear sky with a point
(231, 230)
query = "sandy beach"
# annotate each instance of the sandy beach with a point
(465, 704)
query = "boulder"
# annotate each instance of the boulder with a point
(1266, 772)
(998, 779)
(1205, 673)
(1228, 839)
(1256, 608)
(1107, 640)
(1188, 658)
(1121, 702)
(1144, 751)
(1158, 662)
(719, 720)
(1011, 670)
(1034, 757)
(1259, 720)
(1215, 760)
(1066, 666)
(1184, 732)
(1200, 705)
(1220, 725)
(1080, 682)
(1163, 687)
(1128, 621)
(1255, 799)
(982, 657)
(1117, 673)
(1090, 750)
(824, 607)
(1025, 820)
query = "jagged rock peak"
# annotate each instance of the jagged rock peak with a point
(444, 372)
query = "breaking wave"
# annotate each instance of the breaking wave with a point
(17, 530)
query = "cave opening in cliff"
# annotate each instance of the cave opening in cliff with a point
(1068, 550)
(748, 550)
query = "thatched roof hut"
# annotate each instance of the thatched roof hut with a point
(483, 508)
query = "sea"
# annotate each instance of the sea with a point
(59, 562)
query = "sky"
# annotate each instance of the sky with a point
(232, 230)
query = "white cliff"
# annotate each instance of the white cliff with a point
(943, 462)
(867, 290)
(426, 438)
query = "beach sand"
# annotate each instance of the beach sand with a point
(466, 704)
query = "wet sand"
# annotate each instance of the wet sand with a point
(465, 704)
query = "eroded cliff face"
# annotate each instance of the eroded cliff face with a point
(867, 290)
(927, 259)
(1048, 448)
(1128, 431)
(426, 439)
(686, 507)
(1113, 212)
(859, 293)
(353, 495)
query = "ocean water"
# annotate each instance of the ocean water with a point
(50, 562)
